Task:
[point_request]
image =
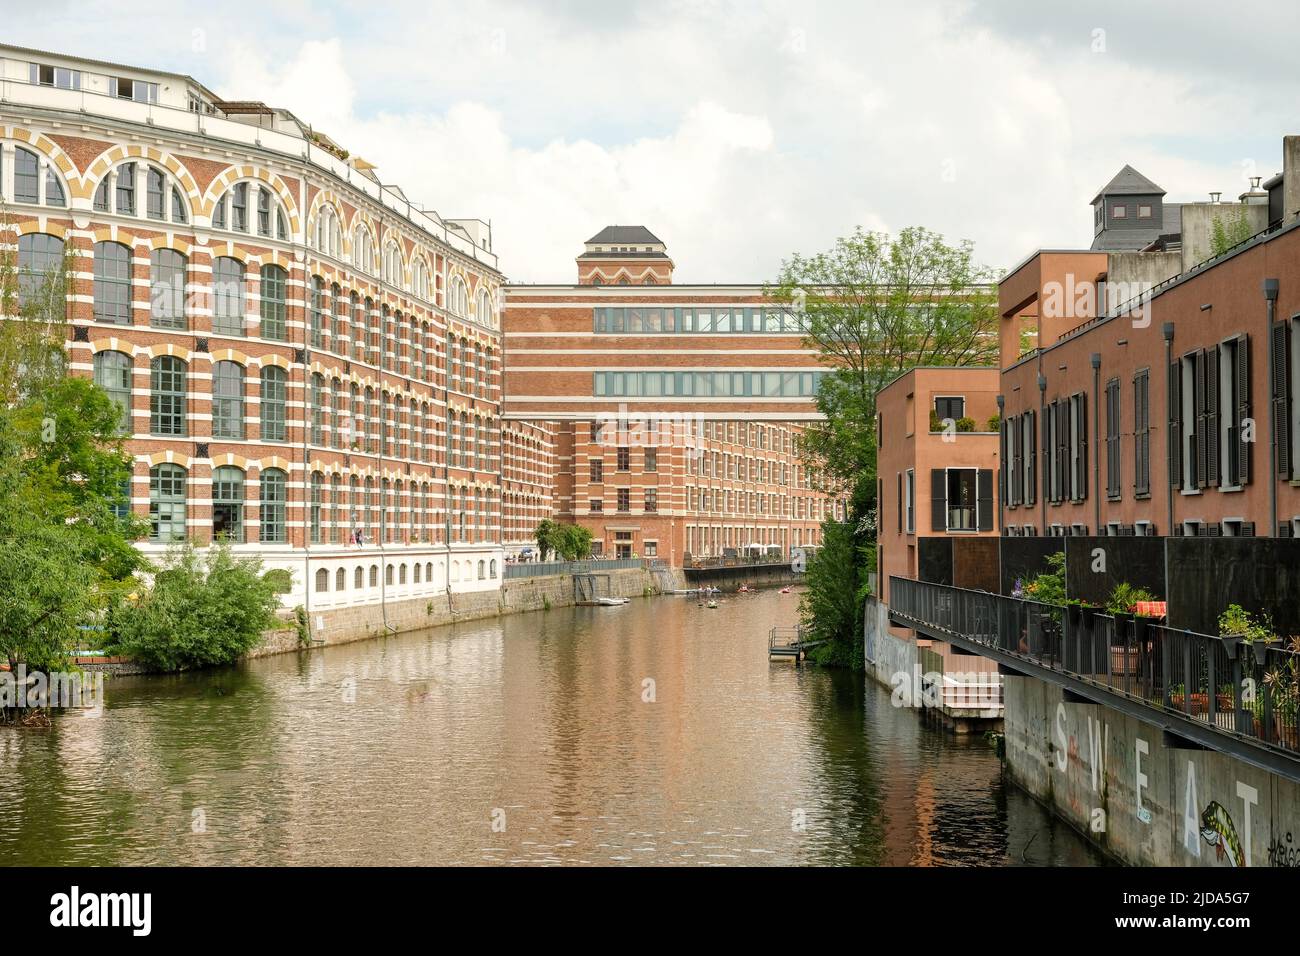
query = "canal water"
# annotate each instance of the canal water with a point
(656, 733)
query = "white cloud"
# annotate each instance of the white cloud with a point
(739, 133)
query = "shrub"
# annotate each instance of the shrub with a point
(280, 580)
(1123, 596)
(966, 424)
(995, 422)
(202, 611)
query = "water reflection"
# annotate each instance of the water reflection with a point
(654, 733)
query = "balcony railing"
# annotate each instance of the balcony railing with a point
(1238, 688)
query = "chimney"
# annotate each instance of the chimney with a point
(1255, 195)
(1214, 197)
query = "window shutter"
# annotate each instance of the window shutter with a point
(900, 502)
(1248, 529)
(1175, 424)
(1062, 449)
(1281, 357)
(984, 489)
(1198, 409)
(1142, 433)
(1014, 468)
(1031, 454)
(1049, 415)
(1081, 465)
(1211, 418)
(1243, 407)
(938, 500)
(1004, 457)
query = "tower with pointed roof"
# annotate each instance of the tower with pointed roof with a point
(625, 255)
(1130, 213)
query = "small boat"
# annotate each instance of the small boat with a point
(786, 589)
(712, 604)
(745, 589)
(611, 601)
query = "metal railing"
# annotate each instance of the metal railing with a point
(536, 569)
(1246, 689)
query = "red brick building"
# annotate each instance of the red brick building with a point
(677, 408)
(1173, 414)
(308, 365)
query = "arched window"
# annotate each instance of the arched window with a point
(167, 396)
(40, 272)
(326, 237)
(340, 580)
(458, 299)
(271, 517)
(492, 569)
(336, 509)
(113, 375)
(388, 574)
(401, 573)
(274, 304)
(394, 273)
(228, 504)
(415, 573)
(112, 286)
(485, 314)
(252, 208)
(227, 400)
(363, 249)
(272, 402)
(420, 278)
(227, 296)
(374, 575)
(481, 571)
(164, 199)
(359, 578)
(322, 579)
(167, 502)
(166, 289)
(30, 186)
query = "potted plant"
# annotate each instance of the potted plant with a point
(1224, 699)
(1198, 704)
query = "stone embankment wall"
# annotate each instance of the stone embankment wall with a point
(516, 595)
(1141, 794)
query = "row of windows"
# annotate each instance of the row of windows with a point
(363, 505)
(469, 366)
(708, 384)
(167, 503)
(396, 574)
(747, 319)
(248, 207)
(470, 440)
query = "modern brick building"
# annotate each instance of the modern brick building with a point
(677, 409)
(308, 363)
(936, 463)
(1173, 414)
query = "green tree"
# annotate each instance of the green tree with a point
(573, 542)
(547, 538)
(65, 530)
(831, 607)
(203, 610)
(874, 306)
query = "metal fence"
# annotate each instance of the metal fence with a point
(1244, 688)
(535, 569)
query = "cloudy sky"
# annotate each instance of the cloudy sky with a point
(741, 132)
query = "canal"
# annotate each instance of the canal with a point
(655, 733)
